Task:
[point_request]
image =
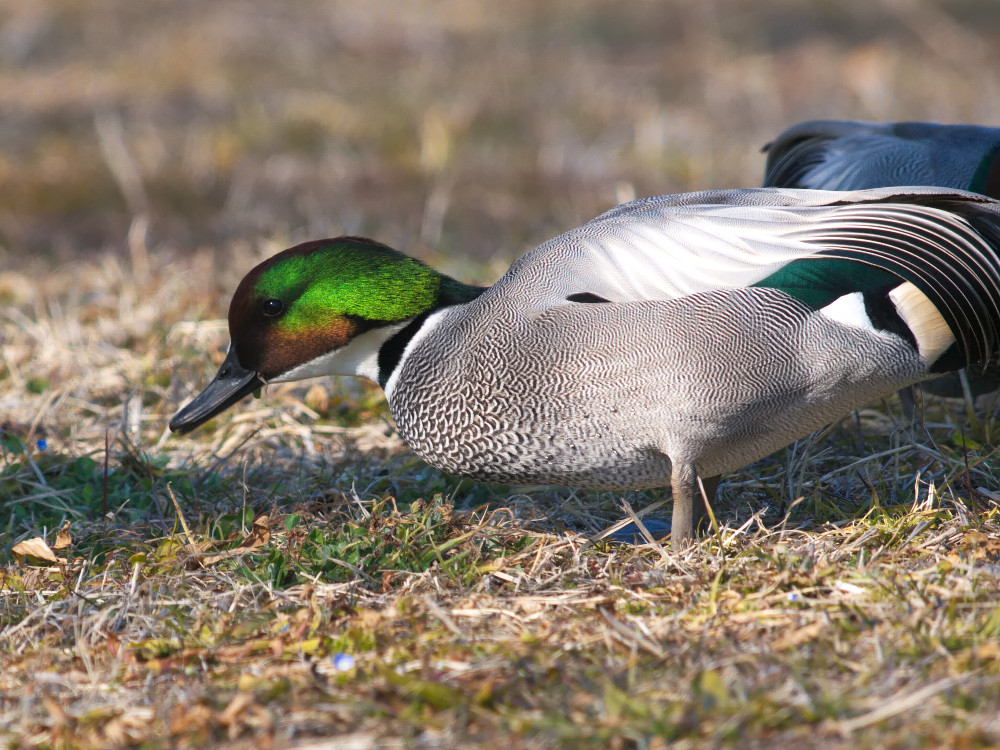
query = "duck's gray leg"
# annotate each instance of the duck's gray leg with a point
(689, 507)
(908, 401)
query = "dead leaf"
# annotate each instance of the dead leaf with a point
(976, 544)
(35, 579)
(128, 728)
(982, 546)
(226, 554)
(57, 715)
(36, 551)
(63, 538)
(115, 644)
(244, 714)
(259, 536)
(992, 548)
(233, 654)
(237, 706)
(260, 533)
(188, 720)
(988, 651)
(973, 538)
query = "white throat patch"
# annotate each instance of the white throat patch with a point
(359, 357)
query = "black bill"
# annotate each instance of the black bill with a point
(230, 384)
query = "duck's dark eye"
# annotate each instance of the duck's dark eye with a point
(273, 307)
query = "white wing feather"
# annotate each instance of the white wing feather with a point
(672, 246)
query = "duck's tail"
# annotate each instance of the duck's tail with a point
(947, 251)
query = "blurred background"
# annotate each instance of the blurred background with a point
(439, 126)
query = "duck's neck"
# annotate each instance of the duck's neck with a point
(390, 353)
(454, 292)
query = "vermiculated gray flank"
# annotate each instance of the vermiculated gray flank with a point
(580, 396)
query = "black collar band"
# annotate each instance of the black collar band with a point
(392, 350)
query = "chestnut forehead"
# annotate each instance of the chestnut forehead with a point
(290, 266)
(241, 306)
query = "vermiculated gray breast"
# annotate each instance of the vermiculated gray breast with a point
(604, 395)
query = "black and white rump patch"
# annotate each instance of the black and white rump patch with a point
(947, 253)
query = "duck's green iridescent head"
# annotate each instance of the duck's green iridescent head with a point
(310, 301)
(316, 297)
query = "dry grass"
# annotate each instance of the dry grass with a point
(150, 155)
